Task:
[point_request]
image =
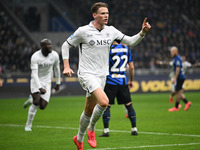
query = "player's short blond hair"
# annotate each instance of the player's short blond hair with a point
(174, 48)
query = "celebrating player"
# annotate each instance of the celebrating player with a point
(116, 85)
(42, 63)
(178, 80)
(94, 41)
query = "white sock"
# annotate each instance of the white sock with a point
(84, 122)
(31, 114)
(97, 113)
(30, 99)
(106, 130)
(134, 129)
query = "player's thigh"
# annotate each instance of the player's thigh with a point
(101, 97)
(90, 104)
(179, 84)
(123, 94)
(36, 98)
(47, 87)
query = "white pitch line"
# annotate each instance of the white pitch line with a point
(148, 146)
(100, 130)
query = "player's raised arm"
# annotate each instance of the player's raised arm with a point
(134, 40)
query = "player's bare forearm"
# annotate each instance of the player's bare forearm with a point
(66, 63)
(131, 71)
(162, 62)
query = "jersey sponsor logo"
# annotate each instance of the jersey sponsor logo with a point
(104, 42)
(119, 50)
(118, 76)
(92, 42)
(89, 35)
(45, 64)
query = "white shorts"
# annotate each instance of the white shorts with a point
(46, 86)
(91, 82)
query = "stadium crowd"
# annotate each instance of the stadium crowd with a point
(174, 23)
(15, 51)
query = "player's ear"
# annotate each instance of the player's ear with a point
(94, 15)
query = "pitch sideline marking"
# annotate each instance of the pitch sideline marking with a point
(120, 131)
(148, 146)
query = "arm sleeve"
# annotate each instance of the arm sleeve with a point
(57, 69)
(65, 50)
(73, 40)
(34, 76)
(132, 40)
(34, 71)
(188, 64)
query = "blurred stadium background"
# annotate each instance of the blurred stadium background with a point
(23, 23)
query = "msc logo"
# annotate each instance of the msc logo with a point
(92, 42)
(104, 42)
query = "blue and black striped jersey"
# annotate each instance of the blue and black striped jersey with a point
(177, 62)
(120, 55)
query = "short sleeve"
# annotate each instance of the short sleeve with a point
(118, 35)
(34, 64)
(76, 38)
(178, 63)
(57, 60)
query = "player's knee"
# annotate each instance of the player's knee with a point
(43, 104)
(42, 107)
(104, 102)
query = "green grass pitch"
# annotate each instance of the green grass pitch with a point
(54, 127)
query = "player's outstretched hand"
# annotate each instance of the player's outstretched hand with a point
(42, 91)
(67, 72)
(145, 26)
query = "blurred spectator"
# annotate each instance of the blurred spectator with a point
(15, 52)
(174, 22)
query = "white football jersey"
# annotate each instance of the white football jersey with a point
(94, 47)
(44, 65)
(186, 65)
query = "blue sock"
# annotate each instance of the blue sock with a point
(106, 117)
(131, 115)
